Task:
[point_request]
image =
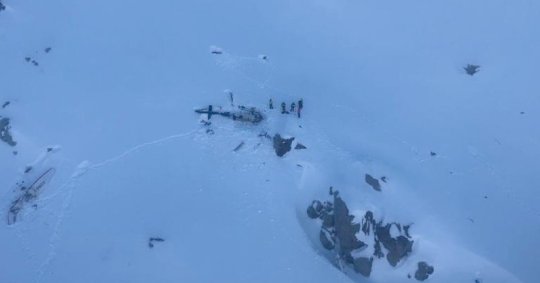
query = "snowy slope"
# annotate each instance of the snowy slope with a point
(383, 85)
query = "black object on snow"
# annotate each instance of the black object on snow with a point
(282, 145)
(433, 153)
(239, 146)
(6, 104)
(424, 271)
(300, 146)
(471, 69)
(47, 50)
(154, 239)
(5, 134)
(2, 6)
(242, 114)
(374, 183)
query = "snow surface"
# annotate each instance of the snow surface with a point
(383, 86)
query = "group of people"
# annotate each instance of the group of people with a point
(293, 107)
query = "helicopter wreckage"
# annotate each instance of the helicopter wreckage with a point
(241, 113)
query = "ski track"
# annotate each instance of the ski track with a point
(70, 185)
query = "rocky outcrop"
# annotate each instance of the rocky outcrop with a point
(281, 145)
(374, 183)
(424, 271)
(339, 233)
(5, 134)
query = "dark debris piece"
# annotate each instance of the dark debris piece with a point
(47, 50)
(383, 178)
(2, 6)
(27, 59)
(154, 239)
(424, 271)
(374, 183)
(471, 69)
(239, 146)
(433, 153)
(6, 104)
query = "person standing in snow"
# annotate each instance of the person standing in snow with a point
(271, 104)
(300, 106)
(283, 108)
(293, 106)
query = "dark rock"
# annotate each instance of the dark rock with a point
(398, 248)
(345, 229)
(28, 169)
(47, 50)
(5, 134)
(433, 153)
(374, 183)
(471, 69)
(300, 146)
(314, 210)
(2, 6)
(327, 240)
(383, 178)
(281, 145)
(328, 220)
(363, 265)
(35, 63)
(6, 104)
(521, 112)
(424, 271)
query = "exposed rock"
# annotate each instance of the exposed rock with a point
(433, 153)
(300, 146)
(5, 134)
(281, 145)
(383, 178)
(6, 104)
(471, 69)
(2, 6)
(47, 50)
(314, 210)
(327, 240)
(374, 183)
(338, 233)
(363, 265)
(345, 229)
(398, 248)
(424, 271)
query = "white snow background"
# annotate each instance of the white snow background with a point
(383, 86)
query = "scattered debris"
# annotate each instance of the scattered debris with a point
(47, 49)
(433, 153)
(210, 131)
(471, 69)
(239, 146)
(383, 178)
(282, 145)
(424, 271)
(6, 104)
(28, 169)
(29, 194)
(27, 59)
(300, 146)
(35, 63)
(154, 239)
(5, 134)
(265, 135)
(374, 183)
